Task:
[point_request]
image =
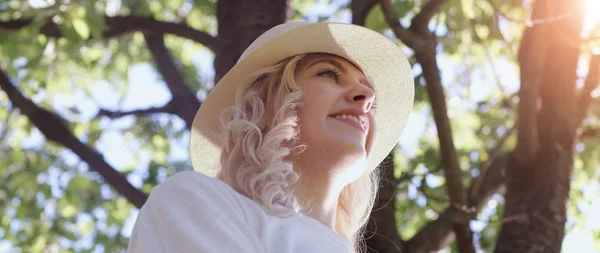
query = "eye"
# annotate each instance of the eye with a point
(331, 73)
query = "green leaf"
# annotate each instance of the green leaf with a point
(80, 183)
(468, 9)
(143, 9)
(39, 244)
(69, 211)
(5, 221)
(159, 142)
(86, 228)
(375, 19)
(402, 7)
(95, 21)
(208, 7)
(81, 27)
(156, 6)
(431, 159)
(173, 4)
(420, 90)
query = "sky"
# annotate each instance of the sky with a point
(121, 151)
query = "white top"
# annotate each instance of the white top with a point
(191, 212)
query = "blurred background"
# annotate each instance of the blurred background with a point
(500, 155)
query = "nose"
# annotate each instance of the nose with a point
(362, 96)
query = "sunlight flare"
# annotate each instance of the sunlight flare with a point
(592, 12)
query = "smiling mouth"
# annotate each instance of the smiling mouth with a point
(351, 122)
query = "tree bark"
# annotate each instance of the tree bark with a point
(360, 10)
(240, 23)
(538, 179)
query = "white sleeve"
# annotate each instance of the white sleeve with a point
(190, 213)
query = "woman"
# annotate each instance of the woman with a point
(286, 147)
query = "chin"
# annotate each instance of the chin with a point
(340, 151)
(350, 154)
(350, 145)
(353, 170)
(345, 163)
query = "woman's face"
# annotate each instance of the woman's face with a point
(335, 120)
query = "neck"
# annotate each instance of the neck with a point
(320, 184)
(320, 199)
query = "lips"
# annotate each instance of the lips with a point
(353, 117)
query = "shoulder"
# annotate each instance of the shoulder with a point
(187, 181)
(187, 206)
(192, 191)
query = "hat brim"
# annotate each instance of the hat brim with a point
(379, 58)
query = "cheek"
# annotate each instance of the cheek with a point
(316, 103)
(371, 136)
(321, 92)
(308, 120)
(312, 115)
(303, 119)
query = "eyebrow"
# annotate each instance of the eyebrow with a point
(365, 81)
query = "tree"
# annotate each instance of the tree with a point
(550, 113)
(68, 193)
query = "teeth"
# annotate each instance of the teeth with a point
(346, 116)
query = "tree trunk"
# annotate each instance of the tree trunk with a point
(538, 174)
(240, 23)
(535, 204)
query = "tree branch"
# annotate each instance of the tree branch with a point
(116, 26)
(14, 25)
(360, 9)
(55, 129)
(532, 56)
(589, 133)
(423, 44)
(591, 83)
(185, 103)
(167, 108)
(409, 38)
(452, 170)
(492, 157)
(439, 233)
(421, 21)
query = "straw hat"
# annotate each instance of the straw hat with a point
(380, 59)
